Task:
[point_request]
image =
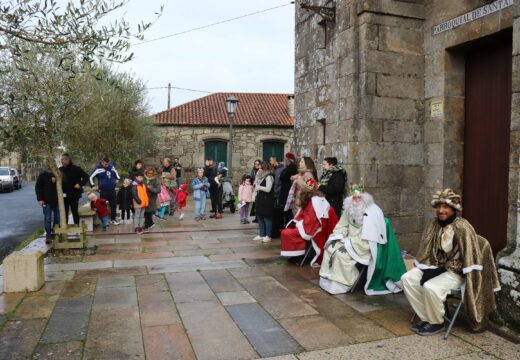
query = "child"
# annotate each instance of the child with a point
(100, 206)
(141, 201)
(163, 198)
(200, 187)
(124, 200)
(181, 194)
(245, 196)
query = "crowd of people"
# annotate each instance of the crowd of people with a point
(342, 235)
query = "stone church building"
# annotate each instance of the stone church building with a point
(413, 96)
(199, 129)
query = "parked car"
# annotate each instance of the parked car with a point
(6, 179)
(17, 179)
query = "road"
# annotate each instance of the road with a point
(20, 216)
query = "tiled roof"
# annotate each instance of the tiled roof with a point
(253, 110)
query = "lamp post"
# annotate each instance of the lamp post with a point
(231, 104)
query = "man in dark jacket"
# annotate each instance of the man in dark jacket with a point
(178, 171)
(210, 171)
(73, 178)
(107, 178)
(285, 183)
(47, 197)
(278, 218)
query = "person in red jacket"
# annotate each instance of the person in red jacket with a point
(100, 206)
(181, 194)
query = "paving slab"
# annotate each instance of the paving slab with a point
(282, 357)
(275, 298)
(260, 254)
(19, 338)
(101, 241)
(397, 321)
(69, 350)
(156, 305)
(167, 342)
(246, 272)
(475, 356)
(113, 298)
(9, 301)
(114, 334)
(327, 305)
(228, 245)
(68, 321)
(221, 281)
(403, 348)
(80, 287)
(235, 297)
(263, 332)
(316, 332)
(116, 281)
(360, 328)
(164, 269)
(79, 266)
(203, 252)
(138, 270)
(213, 334)
(36, 307)
(163, 261)
(489, 342)
(189, 286)
(135, 255)
(364, 303)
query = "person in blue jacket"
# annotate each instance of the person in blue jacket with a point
(107, 178)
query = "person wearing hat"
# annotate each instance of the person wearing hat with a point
(289, 170)
(311, 226)
(451, 256)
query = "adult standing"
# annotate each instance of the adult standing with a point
(289, 170)
(254, 171)
(153, 188)
(332, 183)
(264, 199)
(107, 177)
(169, 179)
(178, 171)
(278, 222)
(306, 171)
(138, 168)
(210, 172)
(73, 180)
(47, 197)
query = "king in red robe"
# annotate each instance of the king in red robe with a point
(313, 223)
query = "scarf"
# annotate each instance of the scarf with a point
(328, 174)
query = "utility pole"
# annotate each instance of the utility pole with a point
(169, 94)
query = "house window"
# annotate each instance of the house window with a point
(216, 150)
(273, 148)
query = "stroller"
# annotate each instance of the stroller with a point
(228, 196)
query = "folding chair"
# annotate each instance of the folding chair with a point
(362, 271)
(307, 252)
(455, 294)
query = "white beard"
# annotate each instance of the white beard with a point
(356, 211)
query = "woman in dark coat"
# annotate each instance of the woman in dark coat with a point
(332, 183)
(264, 199)
(285, 180)
(253, 173)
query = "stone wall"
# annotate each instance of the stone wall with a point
(371, 77)
(360, 81)
(187, 143)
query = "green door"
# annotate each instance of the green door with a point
(217, 150)
(273, 148)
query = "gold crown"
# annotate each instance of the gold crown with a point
(357, 189)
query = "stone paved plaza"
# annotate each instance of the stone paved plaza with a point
(205, 290)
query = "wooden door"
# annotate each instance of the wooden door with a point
(273, 148)
(216, 150)
(486, 140)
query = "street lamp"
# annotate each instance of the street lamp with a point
(231, 104)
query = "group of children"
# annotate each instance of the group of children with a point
(143, 197)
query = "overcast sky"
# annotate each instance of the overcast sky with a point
(254, 54)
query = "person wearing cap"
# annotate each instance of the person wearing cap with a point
(311, 226)
(451, 256)
(362, 236)
(289, 170)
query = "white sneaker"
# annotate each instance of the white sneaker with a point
(181, 216)
(266, 239)
(115, 222)
(257, 238)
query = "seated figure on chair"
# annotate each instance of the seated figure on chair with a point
(451, 256)
(363, 236)
(311, 226)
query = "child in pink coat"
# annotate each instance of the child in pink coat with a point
(245, 196)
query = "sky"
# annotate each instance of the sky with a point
(253, 54)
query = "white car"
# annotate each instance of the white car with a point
(6, 179)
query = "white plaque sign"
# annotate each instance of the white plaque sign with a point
(472, 15)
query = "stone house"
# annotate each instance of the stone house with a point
(413, 96)
(194, 131)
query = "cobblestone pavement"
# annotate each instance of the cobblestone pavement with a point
(205, 290)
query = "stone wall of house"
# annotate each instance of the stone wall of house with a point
(187, 143)
(360, 97)
(371, 78)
